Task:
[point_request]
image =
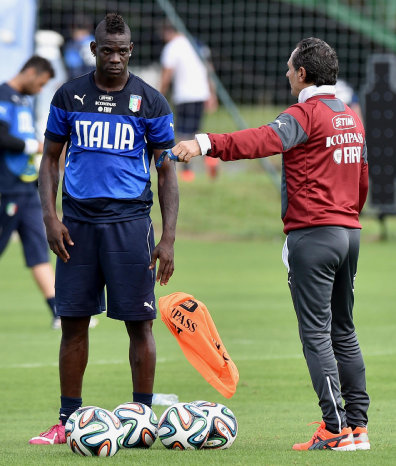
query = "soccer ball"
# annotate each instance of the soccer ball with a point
(70, 423)
(183, 426)
(223, 426)
(94, 431)
(140, 425)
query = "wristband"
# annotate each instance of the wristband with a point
(204, 143)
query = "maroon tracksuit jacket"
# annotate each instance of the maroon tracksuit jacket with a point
(325, 171)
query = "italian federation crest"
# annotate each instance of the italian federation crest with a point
(135, 101)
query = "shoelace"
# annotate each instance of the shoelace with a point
(315, 422)
(318, 430)
(49, 430)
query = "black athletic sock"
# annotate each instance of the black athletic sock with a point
(51, 305)
(145, 398)
(68, 406)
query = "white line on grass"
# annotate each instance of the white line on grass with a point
(100, 362)
(104, 362)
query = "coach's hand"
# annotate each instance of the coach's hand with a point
(165, 253)
(186, 150)
(57, 235)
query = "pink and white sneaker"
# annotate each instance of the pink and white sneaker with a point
(54, 435)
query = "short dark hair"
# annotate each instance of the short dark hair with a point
(113, 23)
(318, 59)
(40, 64)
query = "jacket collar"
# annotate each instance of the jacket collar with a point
(311, 91)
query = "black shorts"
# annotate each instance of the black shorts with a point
(22, 213)
(188, 119)
(115, 255)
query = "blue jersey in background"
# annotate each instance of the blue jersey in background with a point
(17, 170)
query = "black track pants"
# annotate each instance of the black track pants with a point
(322, 264)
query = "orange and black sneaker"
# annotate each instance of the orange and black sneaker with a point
(325, 440)
(360, 437)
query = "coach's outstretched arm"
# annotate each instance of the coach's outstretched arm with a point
(252, 143)
(48, 182)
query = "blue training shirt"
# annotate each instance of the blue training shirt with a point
(17, 169)
(110, 141)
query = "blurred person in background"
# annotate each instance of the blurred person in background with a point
(325, 185)
(17, 26)
(113, 124)
(77, 53)
(347, 94)
(20, 208)
(48, 45)
(192, 89)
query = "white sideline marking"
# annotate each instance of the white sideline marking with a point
(37, 365)
(104, 362)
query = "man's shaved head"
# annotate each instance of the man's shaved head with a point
(113, 23)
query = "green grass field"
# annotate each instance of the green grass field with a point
(228, 256)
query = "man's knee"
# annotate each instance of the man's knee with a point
(141, 330)
(75, 328)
